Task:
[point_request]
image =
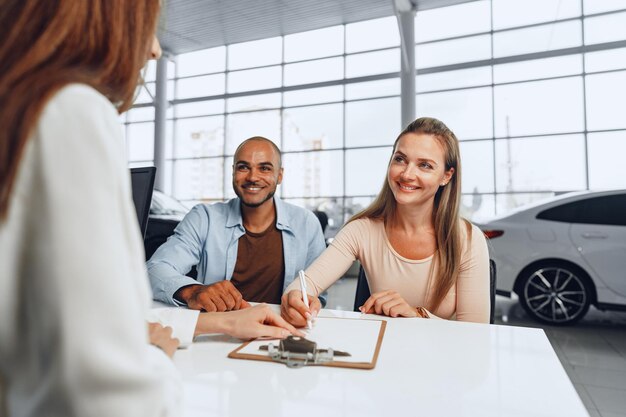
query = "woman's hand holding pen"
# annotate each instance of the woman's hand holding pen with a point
(390, 303)
(293, 310)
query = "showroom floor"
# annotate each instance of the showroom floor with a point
(593, 352)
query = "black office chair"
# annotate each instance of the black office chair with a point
(323, 219)
(363, 290)
(492, 289)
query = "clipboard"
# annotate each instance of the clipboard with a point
(362, 338)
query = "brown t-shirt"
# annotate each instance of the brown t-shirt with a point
(260, 267)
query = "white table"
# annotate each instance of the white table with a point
(425, 368)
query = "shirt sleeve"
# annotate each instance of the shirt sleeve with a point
(97, 289)
(472, 293)
(175, 258)
(333, 262)
(316, 246)
(182, 321)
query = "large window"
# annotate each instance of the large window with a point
(532, 88)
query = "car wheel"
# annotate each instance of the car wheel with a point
(555, 293)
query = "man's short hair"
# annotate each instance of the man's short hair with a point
(262, 139)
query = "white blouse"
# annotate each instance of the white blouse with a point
(74, 294)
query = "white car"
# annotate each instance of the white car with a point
(563, 254)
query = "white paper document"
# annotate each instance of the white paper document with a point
(358, 337)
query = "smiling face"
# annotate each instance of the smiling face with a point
(417, 169)
(256, 173)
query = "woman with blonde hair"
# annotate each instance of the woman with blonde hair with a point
(74, 293)
(421, 259)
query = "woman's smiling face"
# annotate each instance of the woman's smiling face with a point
(417, 169)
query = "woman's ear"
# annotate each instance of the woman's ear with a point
(447, 176)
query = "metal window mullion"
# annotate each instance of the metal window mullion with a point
(493, 114)
(281, 113)
(513, 28)
(584, 81)
(225, 116)
(345, 129)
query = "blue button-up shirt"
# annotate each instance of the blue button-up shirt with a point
(208, 238)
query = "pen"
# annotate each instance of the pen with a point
(305, 298)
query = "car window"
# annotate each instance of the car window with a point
(609, 210)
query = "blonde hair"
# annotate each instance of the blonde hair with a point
(446, 217)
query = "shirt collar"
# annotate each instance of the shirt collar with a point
(235, 219)
(282, 220)
(234, 213)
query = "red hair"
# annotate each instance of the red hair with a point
(49, 44)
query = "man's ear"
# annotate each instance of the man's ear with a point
(280, 176)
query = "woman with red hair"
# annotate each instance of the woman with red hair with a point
(74, 293)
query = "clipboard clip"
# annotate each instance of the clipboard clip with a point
(296, 352)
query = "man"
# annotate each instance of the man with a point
(249, 248)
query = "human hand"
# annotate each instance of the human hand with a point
(221, 296)
(161, 337)
(390, 303)
(257, 321)
(293, 310)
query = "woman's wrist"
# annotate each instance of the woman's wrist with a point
(209, 323)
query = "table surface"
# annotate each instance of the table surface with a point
(425, 367)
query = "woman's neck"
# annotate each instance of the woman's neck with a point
(413, 219)
(411, 232)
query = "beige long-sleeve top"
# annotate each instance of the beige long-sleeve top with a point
(366, 240)
(74, 293)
